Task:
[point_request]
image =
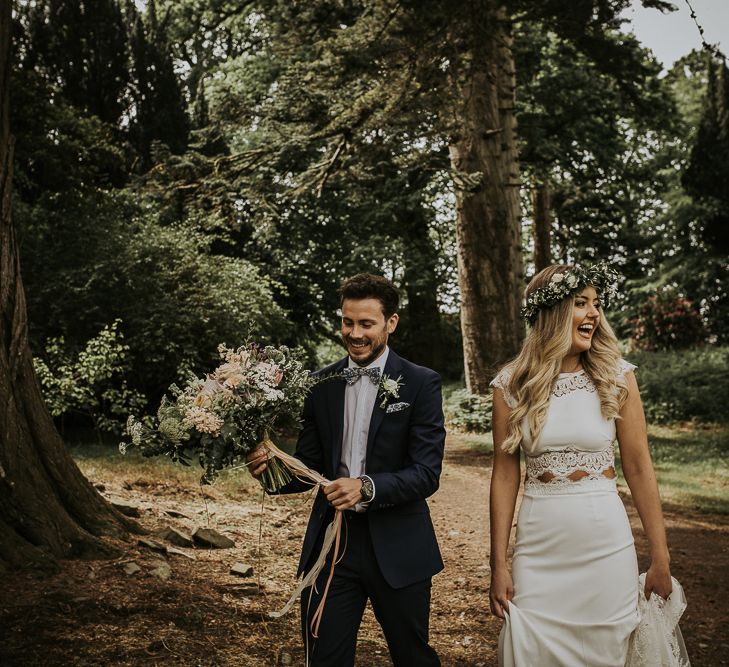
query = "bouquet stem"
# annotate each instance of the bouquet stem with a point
(276, 475)
(291, 466)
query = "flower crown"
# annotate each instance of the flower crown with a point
(600, 276)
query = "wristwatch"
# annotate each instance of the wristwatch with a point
(368, 489)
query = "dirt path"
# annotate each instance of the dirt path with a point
(93, 613)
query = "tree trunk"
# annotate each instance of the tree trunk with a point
(542, 225)
(48, 510)
(486, 178)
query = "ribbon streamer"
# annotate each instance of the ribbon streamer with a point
(332, 537)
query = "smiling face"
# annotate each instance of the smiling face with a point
(585, 319)
(365, 329)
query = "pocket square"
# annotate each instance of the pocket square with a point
(396, 407)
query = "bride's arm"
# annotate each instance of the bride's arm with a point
(505, 478)
(641, 478)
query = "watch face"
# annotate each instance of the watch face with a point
(366, 489)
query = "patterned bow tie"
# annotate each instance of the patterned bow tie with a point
(351, 375)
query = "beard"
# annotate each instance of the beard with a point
(374, 349)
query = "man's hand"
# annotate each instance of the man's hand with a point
(257, 461)
(344, 493)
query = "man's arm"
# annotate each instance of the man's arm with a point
(426, 442)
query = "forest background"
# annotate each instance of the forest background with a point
(194, 172)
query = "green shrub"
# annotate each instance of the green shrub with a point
(467, 412)
(110, 258)
(690, 385)
(90, 383)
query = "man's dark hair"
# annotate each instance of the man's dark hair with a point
(370, 286)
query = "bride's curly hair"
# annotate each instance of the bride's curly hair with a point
(532, 374)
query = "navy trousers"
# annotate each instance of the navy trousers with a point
(403, 613)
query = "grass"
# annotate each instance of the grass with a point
(691, 463)
(103, 462)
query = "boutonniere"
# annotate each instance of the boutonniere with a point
(388, 389)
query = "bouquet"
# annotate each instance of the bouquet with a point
(224, 416)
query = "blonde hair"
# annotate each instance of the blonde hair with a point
(532, 374)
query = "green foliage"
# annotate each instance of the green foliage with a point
(690, 385)
(90, 383)
(177, 298)
(467, 412)
(679, 254)
(668, 321)
(319, 149)
(591, 132)
(60, 151)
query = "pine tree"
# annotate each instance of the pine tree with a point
(82, 47)
(706, 177)
(159, 106)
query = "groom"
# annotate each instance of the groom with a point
(382, 443)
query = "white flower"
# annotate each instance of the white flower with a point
(557, 278)
(273, 395)
(389, 389)
(134, 429)
(206, 394)
(390, 386)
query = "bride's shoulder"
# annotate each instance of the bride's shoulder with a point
(624, 367)
(502, 377)
(501, 381)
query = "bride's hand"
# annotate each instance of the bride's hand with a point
(502, 590)
(658, 580)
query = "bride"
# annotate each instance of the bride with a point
(572, 596)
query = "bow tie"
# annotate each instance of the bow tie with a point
(351, 375)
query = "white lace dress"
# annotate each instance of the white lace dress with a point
(574, 567)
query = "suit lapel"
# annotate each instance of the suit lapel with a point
(392, 369)
(336, 415)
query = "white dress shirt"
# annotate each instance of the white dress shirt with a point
(359, 401)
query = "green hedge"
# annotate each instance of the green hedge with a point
(686, 385)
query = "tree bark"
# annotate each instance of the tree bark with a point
(542, 232)
(484, 162)
(48, 510)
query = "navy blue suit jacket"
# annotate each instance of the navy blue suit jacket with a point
(404, 458)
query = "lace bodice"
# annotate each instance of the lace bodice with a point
(576, 439)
